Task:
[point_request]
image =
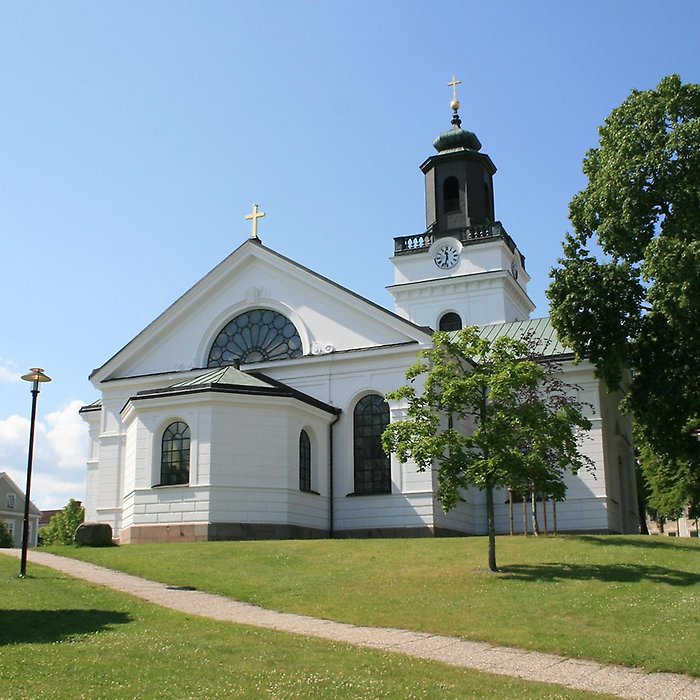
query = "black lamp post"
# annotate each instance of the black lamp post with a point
(36, 375)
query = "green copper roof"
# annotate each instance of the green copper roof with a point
(456, 137)
(229, 380)
(224, 375)
(540, 329)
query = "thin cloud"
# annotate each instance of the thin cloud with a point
(60, 451)
(8, 374)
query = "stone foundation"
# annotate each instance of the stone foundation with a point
(385, 532)
(203, 532)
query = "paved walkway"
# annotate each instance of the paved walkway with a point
(529, 665)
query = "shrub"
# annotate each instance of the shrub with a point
(6, 539)
(61, 529)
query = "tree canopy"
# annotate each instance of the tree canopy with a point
(488, 415)
(626, 293)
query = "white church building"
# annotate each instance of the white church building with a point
(253, 406)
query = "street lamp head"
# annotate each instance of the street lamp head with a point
(36, 374)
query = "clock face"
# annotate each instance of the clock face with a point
(446, 257)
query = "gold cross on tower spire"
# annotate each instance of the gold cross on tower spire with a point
(254, 217)
(455, 102)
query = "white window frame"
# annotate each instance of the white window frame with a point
(11, 502)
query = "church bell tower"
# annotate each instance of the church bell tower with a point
(464, 269)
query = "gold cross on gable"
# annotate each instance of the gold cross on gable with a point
(254, 217)
(454, 85)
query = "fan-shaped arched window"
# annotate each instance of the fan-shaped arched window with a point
(304, 461)
(450, 194)
(175, 455)
(372, 465)
(255, 336)
(450, 322)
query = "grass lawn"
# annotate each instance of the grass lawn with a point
(60, 638)
(628, 600)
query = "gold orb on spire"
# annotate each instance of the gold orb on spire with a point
(455, 102)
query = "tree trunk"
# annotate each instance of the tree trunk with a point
(490, 522)
(524, 515)
(544, 513)
(554, 515)
(510, 510)
(490, 519)
(535, 526)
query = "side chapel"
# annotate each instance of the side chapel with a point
(253, 406)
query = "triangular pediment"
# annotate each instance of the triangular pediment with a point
(11, 487)
(328, 317)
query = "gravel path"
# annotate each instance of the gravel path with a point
(533, 666)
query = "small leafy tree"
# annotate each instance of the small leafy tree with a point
(6, 539)
(61, 529)
(488, 416)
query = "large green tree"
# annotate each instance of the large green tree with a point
(626, 294)
(487, 415)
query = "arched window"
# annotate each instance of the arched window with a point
(450, 194)
(255, 336)
(450, 322)
(488, 202)
(304, 461)
(175, 455)
(372, 465)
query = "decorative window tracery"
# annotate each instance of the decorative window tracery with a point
(175, 455)
(371, 464)
(255, 336)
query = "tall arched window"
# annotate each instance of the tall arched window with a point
(255, 336)
(488, 202)
(304, 461)
(450, 194)
(450, 322)
(175, 455)
(372, 465)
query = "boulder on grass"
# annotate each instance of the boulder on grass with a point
(94, 535)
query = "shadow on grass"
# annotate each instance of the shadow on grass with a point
(647, 541)
(48, 626)
(617, 573)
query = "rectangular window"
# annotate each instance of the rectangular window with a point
(10, 527)
(11, 500)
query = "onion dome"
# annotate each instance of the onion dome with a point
(456, 137)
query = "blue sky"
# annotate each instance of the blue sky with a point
(135, 136)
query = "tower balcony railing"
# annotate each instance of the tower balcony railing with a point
(420, 242)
